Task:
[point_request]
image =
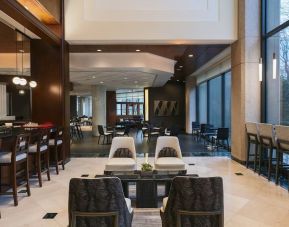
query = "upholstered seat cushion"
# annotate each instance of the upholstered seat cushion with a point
(107, 133)
(122, 153)
(52, 141)
(169, 163)
(120, 133)
(5, 157)
(33, 148)
(120, 164)
(128, 203)
(168, 152)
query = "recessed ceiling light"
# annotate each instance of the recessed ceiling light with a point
(101, 82)
(190, 55)
(137, 50)
(136, 82)
(21, 51)
(125, 78)
(181, 66)
(93, 77)
(99, 50)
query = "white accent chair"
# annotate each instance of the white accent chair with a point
(121, 164)
(169, 163)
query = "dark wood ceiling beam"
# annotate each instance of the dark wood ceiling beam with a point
(16, 11)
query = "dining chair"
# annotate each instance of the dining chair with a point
(56, 147)
(252, 138)
(105, 135)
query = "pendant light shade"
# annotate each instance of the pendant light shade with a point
(274, 66)
(260, 70)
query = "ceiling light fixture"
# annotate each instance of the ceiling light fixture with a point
(33, 84)
(21, 92)
(99, 50)
(125, 78)
(93, 77)
(190, 55)
(137, 50)
(101, 82)
(181, 66)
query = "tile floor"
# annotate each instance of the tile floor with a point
(250, 200)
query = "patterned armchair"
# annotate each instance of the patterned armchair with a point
(98, 202)
(195, 202)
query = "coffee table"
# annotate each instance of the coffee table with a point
(146, 184)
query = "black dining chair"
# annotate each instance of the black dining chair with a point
(105, 135)
(222, 136)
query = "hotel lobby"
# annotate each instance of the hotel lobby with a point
(135, 113)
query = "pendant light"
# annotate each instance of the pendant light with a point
(274, 66)
(260, 70)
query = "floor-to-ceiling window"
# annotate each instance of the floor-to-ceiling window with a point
(84, 106)
(214, 101)
(276, 55)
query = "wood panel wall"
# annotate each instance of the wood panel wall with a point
(111, 117)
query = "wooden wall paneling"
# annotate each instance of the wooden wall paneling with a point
(111, 117)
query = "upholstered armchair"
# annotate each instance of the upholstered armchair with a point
(168, 155)
(194, 202)
(98, 202)
(122, 155)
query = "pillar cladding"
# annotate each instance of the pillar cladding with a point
(246, 88)
(98, 107)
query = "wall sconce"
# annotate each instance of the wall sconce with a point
(260, 70)
(274, 66)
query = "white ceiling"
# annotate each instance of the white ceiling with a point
(151, 21)
(120, 70)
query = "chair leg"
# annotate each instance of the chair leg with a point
(270, 164)
(14, 184)
(277, 166)
(56, 159)
(248, 155)
(255, 158)
(260, 158)
(47, 164)
(62, 155)
(27, 177)
(38, 167)
(103, 140)
(98, 139)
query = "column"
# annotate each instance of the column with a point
(98, 93)
(191, 114)
(246, 88)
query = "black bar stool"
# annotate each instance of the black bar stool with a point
(15, 158)
(56, 147)
(267, 142)
(282, 142)
(252, 138)
(39, 151)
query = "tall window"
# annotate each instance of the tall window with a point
(276, 43)
(214, 101)
(129, 102)
(84, 106)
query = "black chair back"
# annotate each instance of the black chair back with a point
(100, 130)
(126, 129)
(97, 202)
(195, 202)
(223, 133)
(21, 146)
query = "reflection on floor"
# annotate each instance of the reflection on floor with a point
(250, 200)
(88, 147)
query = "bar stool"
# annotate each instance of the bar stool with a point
(282, 142)
(13, 159)
(267, 141)
(56, 148)
(252, 138)
(37, 151)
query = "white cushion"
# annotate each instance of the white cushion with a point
(107, 133)
(5, 157)
(51, 142)
(128, 203)
(120, 164)
(33, 148)
(165, 201)
(169, 163)
(120, 133)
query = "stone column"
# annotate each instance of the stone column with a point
(191, 114)
(98, 93)
(246, 88)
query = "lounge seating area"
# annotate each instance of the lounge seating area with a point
(144, 113)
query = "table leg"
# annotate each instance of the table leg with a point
(146, 194)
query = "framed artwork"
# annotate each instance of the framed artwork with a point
(166, 108)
